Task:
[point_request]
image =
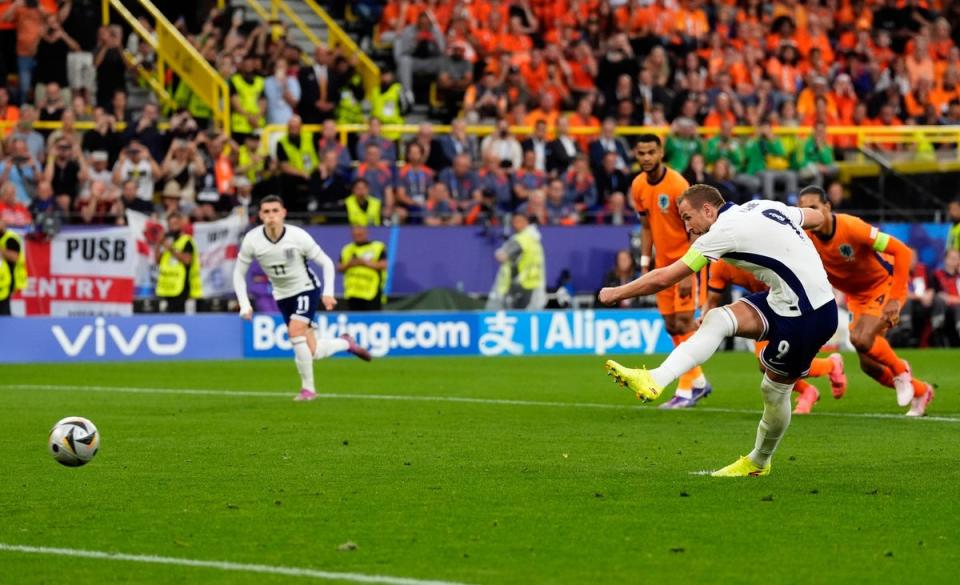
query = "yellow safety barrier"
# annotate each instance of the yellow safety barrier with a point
(174, 50)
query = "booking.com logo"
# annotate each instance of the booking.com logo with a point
(380, 337)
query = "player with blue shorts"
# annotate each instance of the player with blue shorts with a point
(798, 314)
(283, 251)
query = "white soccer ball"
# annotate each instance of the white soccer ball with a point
(74, 441)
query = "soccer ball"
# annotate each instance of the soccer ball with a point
(74, 441)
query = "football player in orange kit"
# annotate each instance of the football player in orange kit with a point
(722, 275)
(876, 291)
(655, 192)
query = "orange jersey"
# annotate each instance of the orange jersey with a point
(659, 202)
(852, 264)
(723, 275)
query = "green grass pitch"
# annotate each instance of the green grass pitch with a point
(477, 492)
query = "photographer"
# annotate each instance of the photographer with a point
(136, 164)
(20, 169)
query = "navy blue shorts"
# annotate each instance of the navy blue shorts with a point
(302, 307)
(794, 341)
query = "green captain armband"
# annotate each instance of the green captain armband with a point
(694, 260)
(880, 243)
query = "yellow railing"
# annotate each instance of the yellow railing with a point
(176, 52)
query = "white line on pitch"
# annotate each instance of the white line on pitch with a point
(222, 565)
(459, 399)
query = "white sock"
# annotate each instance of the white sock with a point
(301, 355)
(328, 347)
(700, 381)
(717, 325)
(776, 419)
(684, 392)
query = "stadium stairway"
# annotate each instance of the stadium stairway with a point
(302, 10)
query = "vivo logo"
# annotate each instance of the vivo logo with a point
(162, 339)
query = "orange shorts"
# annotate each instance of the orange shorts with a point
(872, 302)
(669, 300)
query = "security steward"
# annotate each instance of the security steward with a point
(362, 209)
(364, 267)
(179, 277)
(13, 266)
(521, 281)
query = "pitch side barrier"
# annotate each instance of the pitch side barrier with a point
(220, 337)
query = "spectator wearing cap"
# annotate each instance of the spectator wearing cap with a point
(376, 172)
(455, 76)
(66, 170)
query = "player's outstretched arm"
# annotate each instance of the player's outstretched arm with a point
(240, 287)
(651, 282)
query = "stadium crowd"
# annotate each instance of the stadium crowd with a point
(590, 65)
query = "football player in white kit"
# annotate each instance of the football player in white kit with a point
(797, 315)
(283, 251)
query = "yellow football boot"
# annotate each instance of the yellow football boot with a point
(636, 380)
(742, 467)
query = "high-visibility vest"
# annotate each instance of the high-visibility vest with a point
(305, 157)
(249, 94)
(363, 282)
(386, 106)
(187, 98)
(358, 216)
(173, 274)
(953, 238)
(530, 275)
(244, 157)
(19, 277)
(349, 109)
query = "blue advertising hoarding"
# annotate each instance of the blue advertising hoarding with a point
(91, 339)
(215, 337)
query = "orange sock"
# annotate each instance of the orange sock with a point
(886, 378)
(919, 388)
(820, 367)
(800, 386)
(883, 353)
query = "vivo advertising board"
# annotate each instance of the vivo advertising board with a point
(85, 339)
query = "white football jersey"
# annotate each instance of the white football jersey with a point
(285, 262)
(766, 239)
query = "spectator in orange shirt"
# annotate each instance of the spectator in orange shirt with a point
(584, 118)
(534, 71)
(806, 101)
(917, 100)
(8, 113)
(813, 37)
(28, 21)
(720, 112)
(845, 98)
(517, 39)
(546, 112)
(888, 118)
